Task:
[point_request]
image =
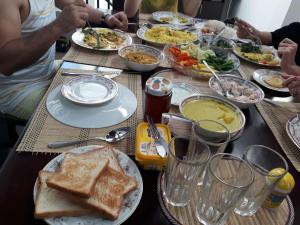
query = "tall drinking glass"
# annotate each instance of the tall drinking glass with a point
(213, 133)
(226, 180)
(262, 159)
(187, 159)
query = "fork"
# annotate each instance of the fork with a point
(160, 148)
(95, 34)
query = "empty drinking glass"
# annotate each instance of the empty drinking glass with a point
(213, 133)
(187, 159)
(263, 160)
(226, 180)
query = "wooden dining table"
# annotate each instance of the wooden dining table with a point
(19, 173)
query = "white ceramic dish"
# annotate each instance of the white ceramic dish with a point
(259, 93)
(89, 89)
(174, 18)
(78, 38)
(107, 114)
(142, 49)
(182, 90)
(293, 130)
(264, 49)
(130, 203)
(142, 30)
(259, 76)
(242, 118)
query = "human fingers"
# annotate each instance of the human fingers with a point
(288, 41)
(79, 3)
(288, 81)
(294, 84)
(123, 18)
(113, 22)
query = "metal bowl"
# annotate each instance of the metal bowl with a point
(234, 133)
(237, 98)
(141, 67)
(204, 39)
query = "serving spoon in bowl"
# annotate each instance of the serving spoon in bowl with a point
(112, 137)
(226, 93)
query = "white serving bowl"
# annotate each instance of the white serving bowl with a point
(141, 67)
(241, 91)
(234, 133)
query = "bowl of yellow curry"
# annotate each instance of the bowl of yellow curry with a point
(205, 107)
(141, 58)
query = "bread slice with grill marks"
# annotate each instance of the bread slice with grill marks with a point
(77, 174)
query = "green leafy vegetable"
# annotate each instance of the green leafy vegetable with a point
(250, 48)
(219, 63)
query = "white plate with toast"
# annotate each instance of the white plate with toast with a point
(50, 201)
(270, 79)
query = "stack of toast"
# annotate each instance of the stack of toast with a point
(87, 183)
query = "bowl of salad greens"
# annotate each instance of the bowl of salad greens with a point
(221, 46)
(188, 59)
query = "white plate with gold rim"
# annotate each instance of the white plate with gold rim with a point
(130, 202)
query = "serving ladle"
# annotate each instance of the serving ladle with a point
(226, 93)
(111, 137)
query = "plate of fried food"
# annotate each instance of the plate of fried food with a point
(161, 34)
(102, 39)
(258, 54)
(172, 18)
(88, 185)
(270, 79)
(188, 59)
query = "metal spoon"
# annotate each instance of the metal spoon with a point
(225, 92)
(111, 137)
(212, 40)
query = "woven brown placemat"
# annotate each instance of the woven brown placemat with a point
(284, 215)
(276, 117)
(43, 128)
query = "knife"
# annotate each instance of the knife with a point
(107, 74)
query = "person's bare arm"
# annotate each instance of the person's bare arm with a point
(245, 30)
(118, 20)
(17, 52)
(191, 7)
(131, 7)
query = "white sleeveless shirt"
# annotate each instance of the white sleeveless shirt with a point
(14, 88)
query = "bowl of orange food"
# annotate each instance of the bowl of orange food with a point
(141, 58)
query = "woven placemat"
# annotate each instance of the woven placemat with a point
(284, 215)
(43, 128)
(276, 117)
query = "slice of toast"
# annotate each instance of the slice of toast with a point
(108, 193)
(77, 174)
(53, 203)
(106, 152)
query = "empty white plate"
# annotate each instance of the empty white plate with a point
(89, 89)
(107, 114)
(182, 90)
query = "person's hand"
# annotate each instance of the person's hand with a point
(245, 30)
(118, 20)
(72, 16)
(293, 84)
(287, 50)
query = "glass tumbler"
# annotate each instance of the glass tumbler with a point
(263, 160)
(226, 181)
(187, 159)
(213, 133)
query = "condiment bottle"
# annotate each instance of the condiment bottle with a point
(158, 94)
(282, 188)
